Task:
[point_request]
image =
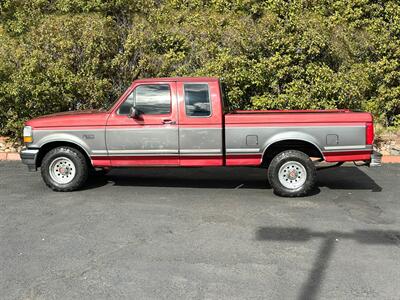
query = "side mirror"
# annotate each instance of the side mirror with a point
(133, 113)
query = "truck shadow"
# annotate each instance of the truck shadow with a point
(312, 285)
(346, 178)
(349, 178)
(221, 178)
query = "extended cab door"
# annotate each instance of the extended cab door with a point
(200, 123)
(152, 137)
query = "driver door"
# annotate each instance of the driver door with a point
(151, 137)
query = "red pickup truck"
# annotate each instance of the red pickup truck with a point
(181, 122)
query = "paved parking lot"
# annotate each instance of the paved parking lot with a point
(200, 234)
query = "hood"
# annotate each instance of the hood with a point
(71, 119)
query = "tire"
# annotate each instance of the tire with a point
(292, 174)
(64, 169)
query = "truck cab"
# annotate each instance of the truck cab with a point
(167, 122)
(181, 122)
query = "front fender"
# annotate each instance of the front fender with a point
(41, 138)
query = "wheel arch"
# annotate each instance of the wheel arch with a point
(306, 145)
(45, 148)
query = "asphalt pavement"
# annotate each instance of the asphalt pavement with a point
(200, 234)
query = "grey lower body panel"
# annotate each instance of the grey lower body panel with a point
(349, 137)
(28, 157)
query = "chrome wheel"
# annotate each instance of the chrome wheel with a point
(292, 175)
(62, 170)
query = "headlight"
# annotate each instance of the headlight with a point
(28, 134)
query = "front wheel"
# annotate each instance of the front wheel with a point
(64, 169)
(292, 174)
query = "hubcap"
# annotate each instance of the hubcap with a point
(292, 175)
(62, 170)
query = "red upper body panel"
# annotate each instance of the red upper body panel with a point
(71, 119)
(297, 117)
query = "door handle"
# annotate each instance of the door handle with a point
(168, 121)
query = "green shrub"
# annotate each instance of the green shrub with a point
(64, 55)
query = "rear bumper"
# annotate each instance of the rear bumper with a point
(28, 157)
(376, 159)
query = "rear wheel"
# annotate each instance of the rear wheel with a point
(292, 174)
(64, 169)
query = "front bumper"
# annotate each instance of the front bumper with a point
(28, 157)
(376, 159)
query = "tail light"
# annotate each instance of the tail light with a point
(369, 133)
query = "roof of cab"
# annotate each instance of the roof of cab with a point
(186, 79)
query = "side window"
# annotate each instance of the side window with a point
(148, 99)
(126, 106)
(197, 100)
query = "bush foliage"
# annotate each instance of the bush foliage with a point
(273, 54)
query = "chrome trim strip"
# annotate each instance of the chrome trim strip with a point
(99, 152)
(201, 154)
(353, 147)
(234, 154)
(150, 151)
(345, 150)
(198, 151)
(243, 150)
(135, 154)
(144, 127)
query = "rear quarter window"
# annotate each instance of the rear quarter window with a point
(197, 100)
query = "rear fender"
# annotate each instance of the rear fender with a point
(291, 135)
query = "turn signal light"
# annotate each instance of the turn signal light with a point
(28, 139)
